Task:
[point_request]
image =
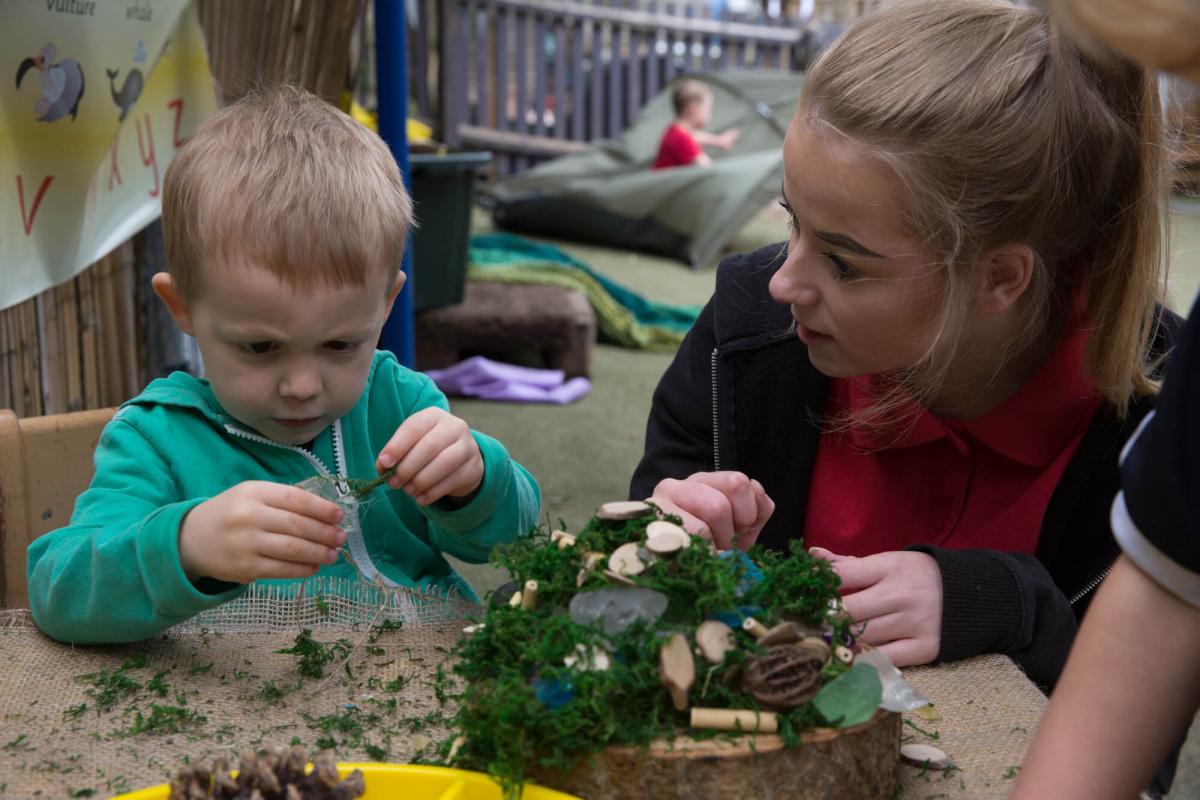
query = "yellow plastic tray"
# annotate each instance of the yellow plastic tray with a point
(407, 781)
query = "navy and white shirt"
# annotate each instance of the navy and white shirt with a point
(1156, 516)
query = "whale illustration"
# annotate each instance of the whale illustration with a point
(131, 90)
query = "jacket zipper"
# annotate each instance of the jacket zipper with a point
(338, 453)
(1092, 584)
(354, 536)
(716, 441)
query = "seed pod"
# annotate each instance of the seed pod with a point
(786, 677)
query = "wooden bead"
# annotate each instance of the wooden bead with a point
(844, 654)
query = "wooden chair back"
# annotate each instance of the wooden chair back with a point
(45, 463)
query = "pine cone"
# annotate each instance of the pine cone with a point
(279, 775)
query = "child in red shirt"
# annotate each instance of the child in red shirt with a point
(682, 141)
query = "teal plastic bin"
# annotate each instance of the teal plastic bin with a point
(443, 188)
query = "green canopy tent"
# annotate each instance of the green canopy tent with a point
(607, 193)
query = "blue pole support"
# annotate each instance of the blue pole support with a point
(391, 79)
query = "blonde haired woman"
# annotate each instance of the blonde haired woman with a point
(932, 381)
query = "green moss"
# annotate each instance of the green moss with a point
(157, 685)
(106, 687)
(166, 719)
(313, 656)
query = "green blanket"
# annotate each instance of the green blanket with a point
(623, 316)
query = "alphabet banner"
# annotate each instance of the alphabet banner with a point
(95, 98)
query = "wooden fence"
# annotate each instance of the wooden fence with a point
(74, 346)
(530, 79)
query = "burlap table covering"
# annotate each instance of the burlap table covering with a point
(221, 662)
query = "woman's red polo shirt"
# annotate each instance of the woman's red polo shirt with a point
(978, 483)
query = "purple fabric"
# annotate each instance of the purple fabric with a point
(492, 380)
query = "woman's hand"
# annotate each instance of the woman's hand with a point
(897, 596)
(729, 508)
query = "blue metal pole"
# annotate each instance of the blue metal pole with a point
(391, 78)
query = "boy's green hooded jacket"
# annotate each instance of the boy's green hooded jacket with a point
(114, 573)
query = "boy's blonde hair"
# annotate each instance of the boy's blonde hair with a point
(1003, 131)
(686, 92)
(283, 180)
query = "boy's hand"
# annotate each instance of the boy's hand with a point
(898, 596)
(726, 139)
(257, 530)
(435, 456)
(728, 507)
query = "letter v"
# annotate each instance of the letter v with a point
(37, 200)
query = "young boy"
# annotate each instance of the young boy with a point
(285, 222)
(682, 141)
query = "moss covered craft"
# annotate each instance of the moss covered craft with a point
(632, 631)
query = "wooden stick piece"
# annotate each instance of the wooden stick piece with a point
(529, 596)
(455, 746)
(727, 719)
(755, 628)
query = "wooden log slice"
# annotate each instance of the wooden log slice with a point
(858, 763)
